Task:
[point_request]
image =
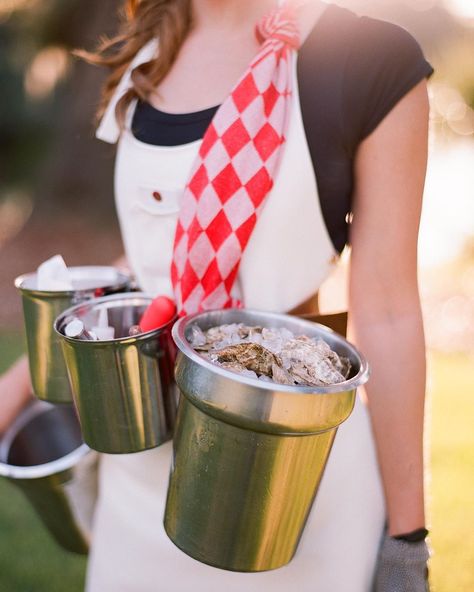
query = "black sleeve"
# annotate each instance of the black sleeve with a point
(385, 62)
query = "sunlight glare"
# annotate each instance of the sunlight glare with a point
(461, 8)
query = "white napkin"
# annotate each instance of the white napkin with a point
(53, 275)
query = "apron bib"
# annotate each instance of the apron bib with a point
(289, 253)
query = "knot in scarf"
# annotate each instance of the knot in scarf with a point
(281, 25)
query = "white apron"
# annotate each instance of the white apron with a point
(288, 257)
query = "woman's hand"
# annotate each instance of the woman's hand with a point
(15, 391)
(402, 566)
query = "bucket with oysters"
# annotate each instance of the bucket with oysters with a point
(262, 395)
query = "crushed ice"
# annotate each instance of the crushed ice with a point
(271, 354)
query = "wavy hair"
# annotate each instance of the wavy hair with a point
(141, 21)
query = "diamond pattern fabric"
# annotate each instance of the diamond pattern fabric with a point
(234, 171)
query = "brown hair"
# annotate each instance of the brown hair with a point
(141, 20)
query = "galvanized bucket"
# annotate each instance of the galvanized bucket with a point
(123, 389)
(249, 455)
(40, 308)
(42, 453)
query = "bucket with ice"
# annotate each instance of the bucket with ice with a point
(42, 453)
(121, 376)
(45, 294)
(262, 397)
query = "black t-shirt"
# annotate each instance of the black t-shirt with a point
(351, 72)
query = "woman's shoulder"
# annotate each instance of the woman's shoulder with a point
(343, 31)
(363, 66)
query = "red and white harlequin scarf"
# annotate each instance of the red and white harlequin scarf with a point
(234, 171)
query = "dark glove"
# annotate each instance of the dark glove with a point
(402, 566)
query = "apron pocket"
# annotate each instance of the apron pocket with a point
(151, 224)
(158, 201)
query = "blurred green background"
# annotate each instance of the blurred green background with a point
(56, 191)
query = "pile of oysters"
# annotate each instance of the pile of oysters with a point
(275, 355)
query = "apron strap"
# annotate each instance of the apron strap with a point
(309, 311)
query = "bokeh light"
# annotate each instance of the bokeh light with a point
(450, 108)
(7, 7)
(15, 210)
(48, 67)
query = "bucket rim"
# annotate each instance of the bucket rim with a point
(35, 471)
(47, 469)
(362, 376)
(105, 299)
(123, 280)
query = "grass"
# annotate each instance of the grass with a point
(31, 562)
(452, 473)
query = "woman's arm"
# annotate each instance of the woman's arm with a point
(15, 391)
(385, 314)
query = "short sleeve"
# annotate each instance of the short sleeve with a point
(384, 64)
(109, 129)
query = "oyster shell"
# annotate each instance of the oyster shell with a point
(313, 362)
(272, 354)
(251, 356)
(221, 336)
(281, 376)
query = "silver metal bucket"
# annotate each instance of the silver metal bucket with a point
(42, 453)
(123, 389)
(40, 308)
(249, 455)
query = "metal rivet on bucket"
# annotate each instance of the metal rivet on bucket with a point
(43, 454)
(123, 388)
(249, 455)
(40, 308)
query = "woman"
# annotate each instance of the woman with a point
(355, 135)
